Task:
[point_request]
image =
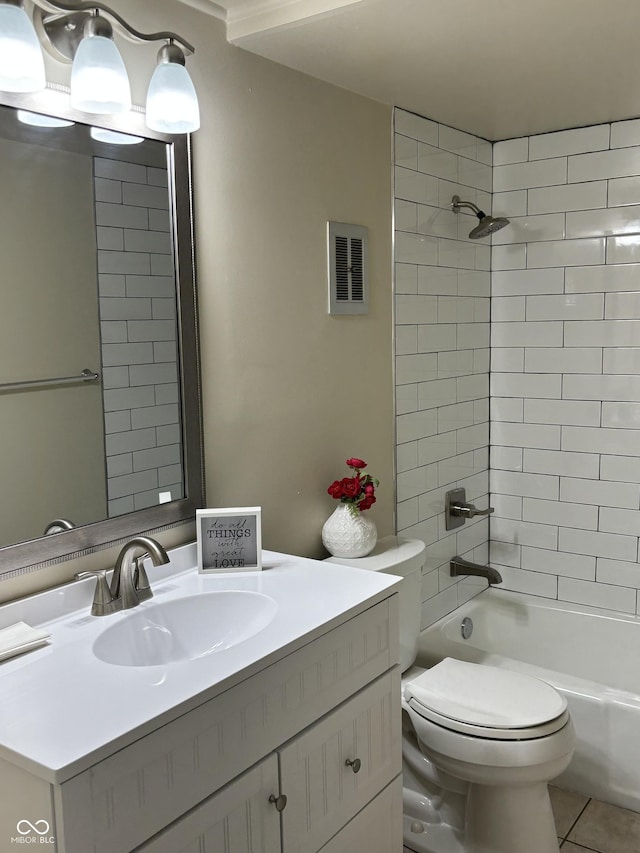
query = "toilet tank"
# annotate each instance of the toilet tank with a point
(405, 558)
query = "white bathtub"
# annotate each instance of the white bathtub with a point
(592, 656)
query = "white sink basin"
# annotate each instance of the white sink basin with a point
(185, 628)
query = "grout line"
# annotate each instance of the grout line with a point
(573, 825)
(581, 847)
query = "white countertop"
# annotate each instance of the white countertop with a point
(63, 708)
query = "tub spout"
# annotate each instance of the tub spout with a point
(460, 566)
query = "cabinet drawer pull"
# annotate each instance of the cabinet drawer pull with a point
(279, 802)
(355, 765)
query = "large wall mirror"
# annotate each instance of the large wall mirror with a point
(100, 415)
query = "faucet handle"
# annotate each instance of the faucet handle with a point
(457, 510)
(469, 510)
(140, 578)
(103, 603)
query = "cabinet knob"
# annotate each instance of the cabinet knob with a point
(355, 765)
(279, 802)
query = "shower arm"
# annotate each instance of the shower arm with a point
(456, 204)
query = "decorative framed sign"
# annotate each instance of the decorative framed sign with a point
(229, 540)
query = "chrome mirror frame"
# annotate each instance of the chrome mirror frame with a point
(24, 557)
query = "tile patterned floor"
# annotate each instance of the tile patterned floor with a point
(585, 825)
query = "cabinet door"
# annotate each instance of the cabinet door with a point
(324, 791)
(376, 829)
(237, 819)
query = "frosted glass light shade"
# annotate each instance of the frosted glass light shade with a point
(172, 103)
(113, 137)
(40, 120)
(99, 80)
(21, 62)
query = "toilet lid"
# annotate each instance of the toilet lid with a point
(486, 697)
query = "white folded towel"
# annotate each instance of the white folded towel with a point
(19, 638)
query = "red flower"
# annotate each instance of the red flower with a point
(335, 490)
(350, 487)
(358, 491)
(354, 462)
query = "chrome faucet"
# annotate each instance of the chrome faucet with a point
(58, 525)
(129, 582)
(460, 566)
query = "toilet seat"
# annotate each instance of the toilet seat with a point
(486, 702)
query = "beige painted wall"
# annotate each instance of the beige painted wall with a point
(289, 392)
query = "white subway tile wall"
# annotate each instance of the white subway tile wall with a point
(442, 317)
(139, 335)
(564, 353)
(566, 347)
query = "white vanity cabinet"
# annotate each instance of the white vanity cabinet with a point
(203, 781)
(323, 793)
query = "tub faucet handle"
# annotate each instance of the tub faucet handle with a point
(469, 510)
(457, 510)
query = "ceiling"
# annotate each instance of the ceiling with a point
(496, 68)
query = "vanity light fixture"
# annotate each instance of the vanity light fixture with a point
(82, 32)
(99, 80)
(172, 103)
(21, 62)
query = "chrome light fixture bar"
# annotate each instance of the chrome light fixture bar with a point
(82, 33)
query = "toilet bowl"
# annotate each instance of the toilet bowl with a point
(480, 744)
(503, 733)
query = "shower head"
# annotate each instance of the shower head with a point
(487, 224)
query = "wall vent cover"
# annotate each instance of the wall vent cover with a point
(348, 268)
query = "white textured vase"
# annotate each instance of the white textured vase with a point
(348, 534)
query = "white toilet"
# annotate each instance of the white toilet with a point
(479, 743)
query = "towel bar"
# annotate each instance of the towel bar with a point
(86, 376)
